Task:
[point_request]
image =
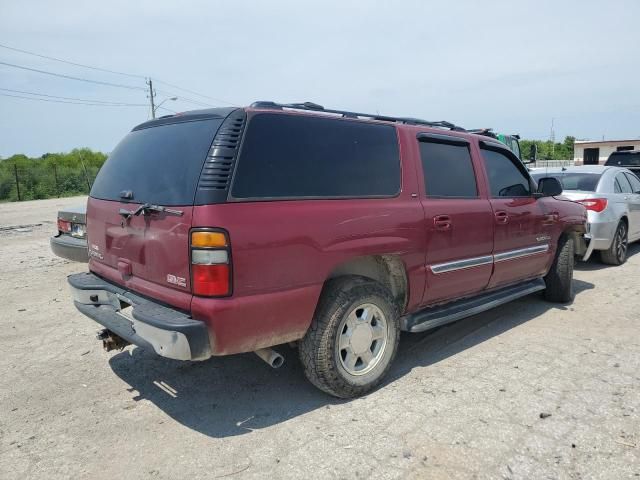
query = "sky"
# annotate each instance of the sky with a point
(510, 65)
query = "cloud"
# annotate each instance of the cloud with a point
(510, 65)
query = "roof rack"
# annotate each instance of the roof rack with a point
(314, 107)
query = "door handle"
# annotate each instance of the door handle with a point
(502, 216)
(442, 222)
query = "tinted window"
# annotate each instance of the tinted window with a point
(631, 159)
(506, 179)
(159, 165)
(447, 169)
(586, 182)
(304, 156)
(625, 186)
(634, 181)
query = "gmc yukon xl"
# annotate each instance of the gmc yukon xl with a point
(232, 230)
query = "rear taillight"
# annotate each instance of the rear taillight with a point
(210, 263)
(64, 226)
(594, 204)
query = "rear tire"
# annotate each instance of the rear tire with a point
(559, 280)
(617, 252)
(353, 338)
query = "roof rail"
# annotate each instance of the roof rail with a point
(314, 107)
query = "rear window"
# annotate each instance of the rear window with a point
(158, 165)
(295, 156)
(585, 182)
(625, 159)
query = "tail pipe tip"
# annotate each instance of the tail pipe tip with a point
(271, 357)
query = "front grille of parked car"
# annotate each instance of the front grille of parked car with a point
(218, 168)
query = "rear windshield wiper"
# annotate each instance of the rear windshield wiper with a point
(146, 208)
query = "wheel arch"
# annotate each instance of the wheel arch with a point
(388, 270)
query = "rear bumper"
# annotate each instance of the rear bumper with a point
(69, 247)
(599, 236)
(147, 324)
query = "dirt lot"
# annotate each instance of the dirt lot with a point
(462, 402)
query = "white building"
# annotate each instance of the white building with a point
(586, 152)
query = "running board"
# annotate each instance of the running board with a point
(432, 317)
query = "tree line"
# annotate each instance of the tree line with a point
(548, 150)
(49, 176)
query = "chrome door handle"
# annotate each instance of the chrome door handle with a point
(442, 222)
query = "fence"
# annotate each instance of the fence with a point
(551, 163)
(35, 182)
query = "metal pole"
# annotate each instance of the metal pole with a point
(15, 170)
(55, 175)
(151, 95)
(86, 174)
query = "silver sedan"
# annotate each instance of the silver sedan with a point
(612, 198)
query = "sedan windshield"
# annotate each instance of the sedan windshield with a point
(585, 182)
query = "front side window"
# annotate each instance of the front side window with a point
(447, 169)
(506, 178)
(302, 156)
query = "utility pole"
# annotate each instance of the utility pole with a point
(553, 139)
(152, 94)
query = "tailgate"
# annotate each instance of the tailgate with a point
(157, 165)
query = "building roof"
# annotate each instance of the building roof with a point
(605, 142)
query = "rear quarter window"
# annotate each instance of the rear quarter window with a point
(297, 156)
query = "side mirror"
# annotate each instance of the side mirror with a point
(549, 187)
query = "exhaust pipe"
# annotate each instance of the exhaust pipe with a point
(269, 355)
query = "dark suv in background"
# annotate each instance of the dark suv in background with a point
(224, 231)
(629, 159)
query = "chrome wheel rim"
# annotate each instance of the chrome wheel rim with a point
(621, 242)
(362, 339)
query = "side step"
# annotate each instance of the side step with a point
(432, 317)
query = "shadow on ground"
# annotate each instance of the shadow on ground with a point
(227, 396)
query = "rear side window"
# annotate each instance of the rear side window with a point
(295, 156)
(634, 181)
(447, 169)
(160, 164)
(506, 179)
(623, 183)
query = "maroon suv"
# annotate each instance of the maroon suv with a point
(223, 231)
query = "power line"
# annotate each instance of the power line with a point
(119, 85)
(67, 98)
(193, 92)
(196, 93)
(76, 103)
(70, 63)
(184, 99)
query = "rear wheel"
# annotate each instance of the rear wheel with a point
(617, 252)
(559, 280)
(353, 337)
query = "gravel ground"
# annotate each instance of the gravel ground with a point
(466, 401)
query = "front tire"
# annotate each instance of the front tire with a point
(559, 280)
(617, 252)
(353, 338)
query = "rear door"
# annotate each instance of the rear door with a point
(632, 195)
(458, 220)
(160, 165)
(523, 225)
